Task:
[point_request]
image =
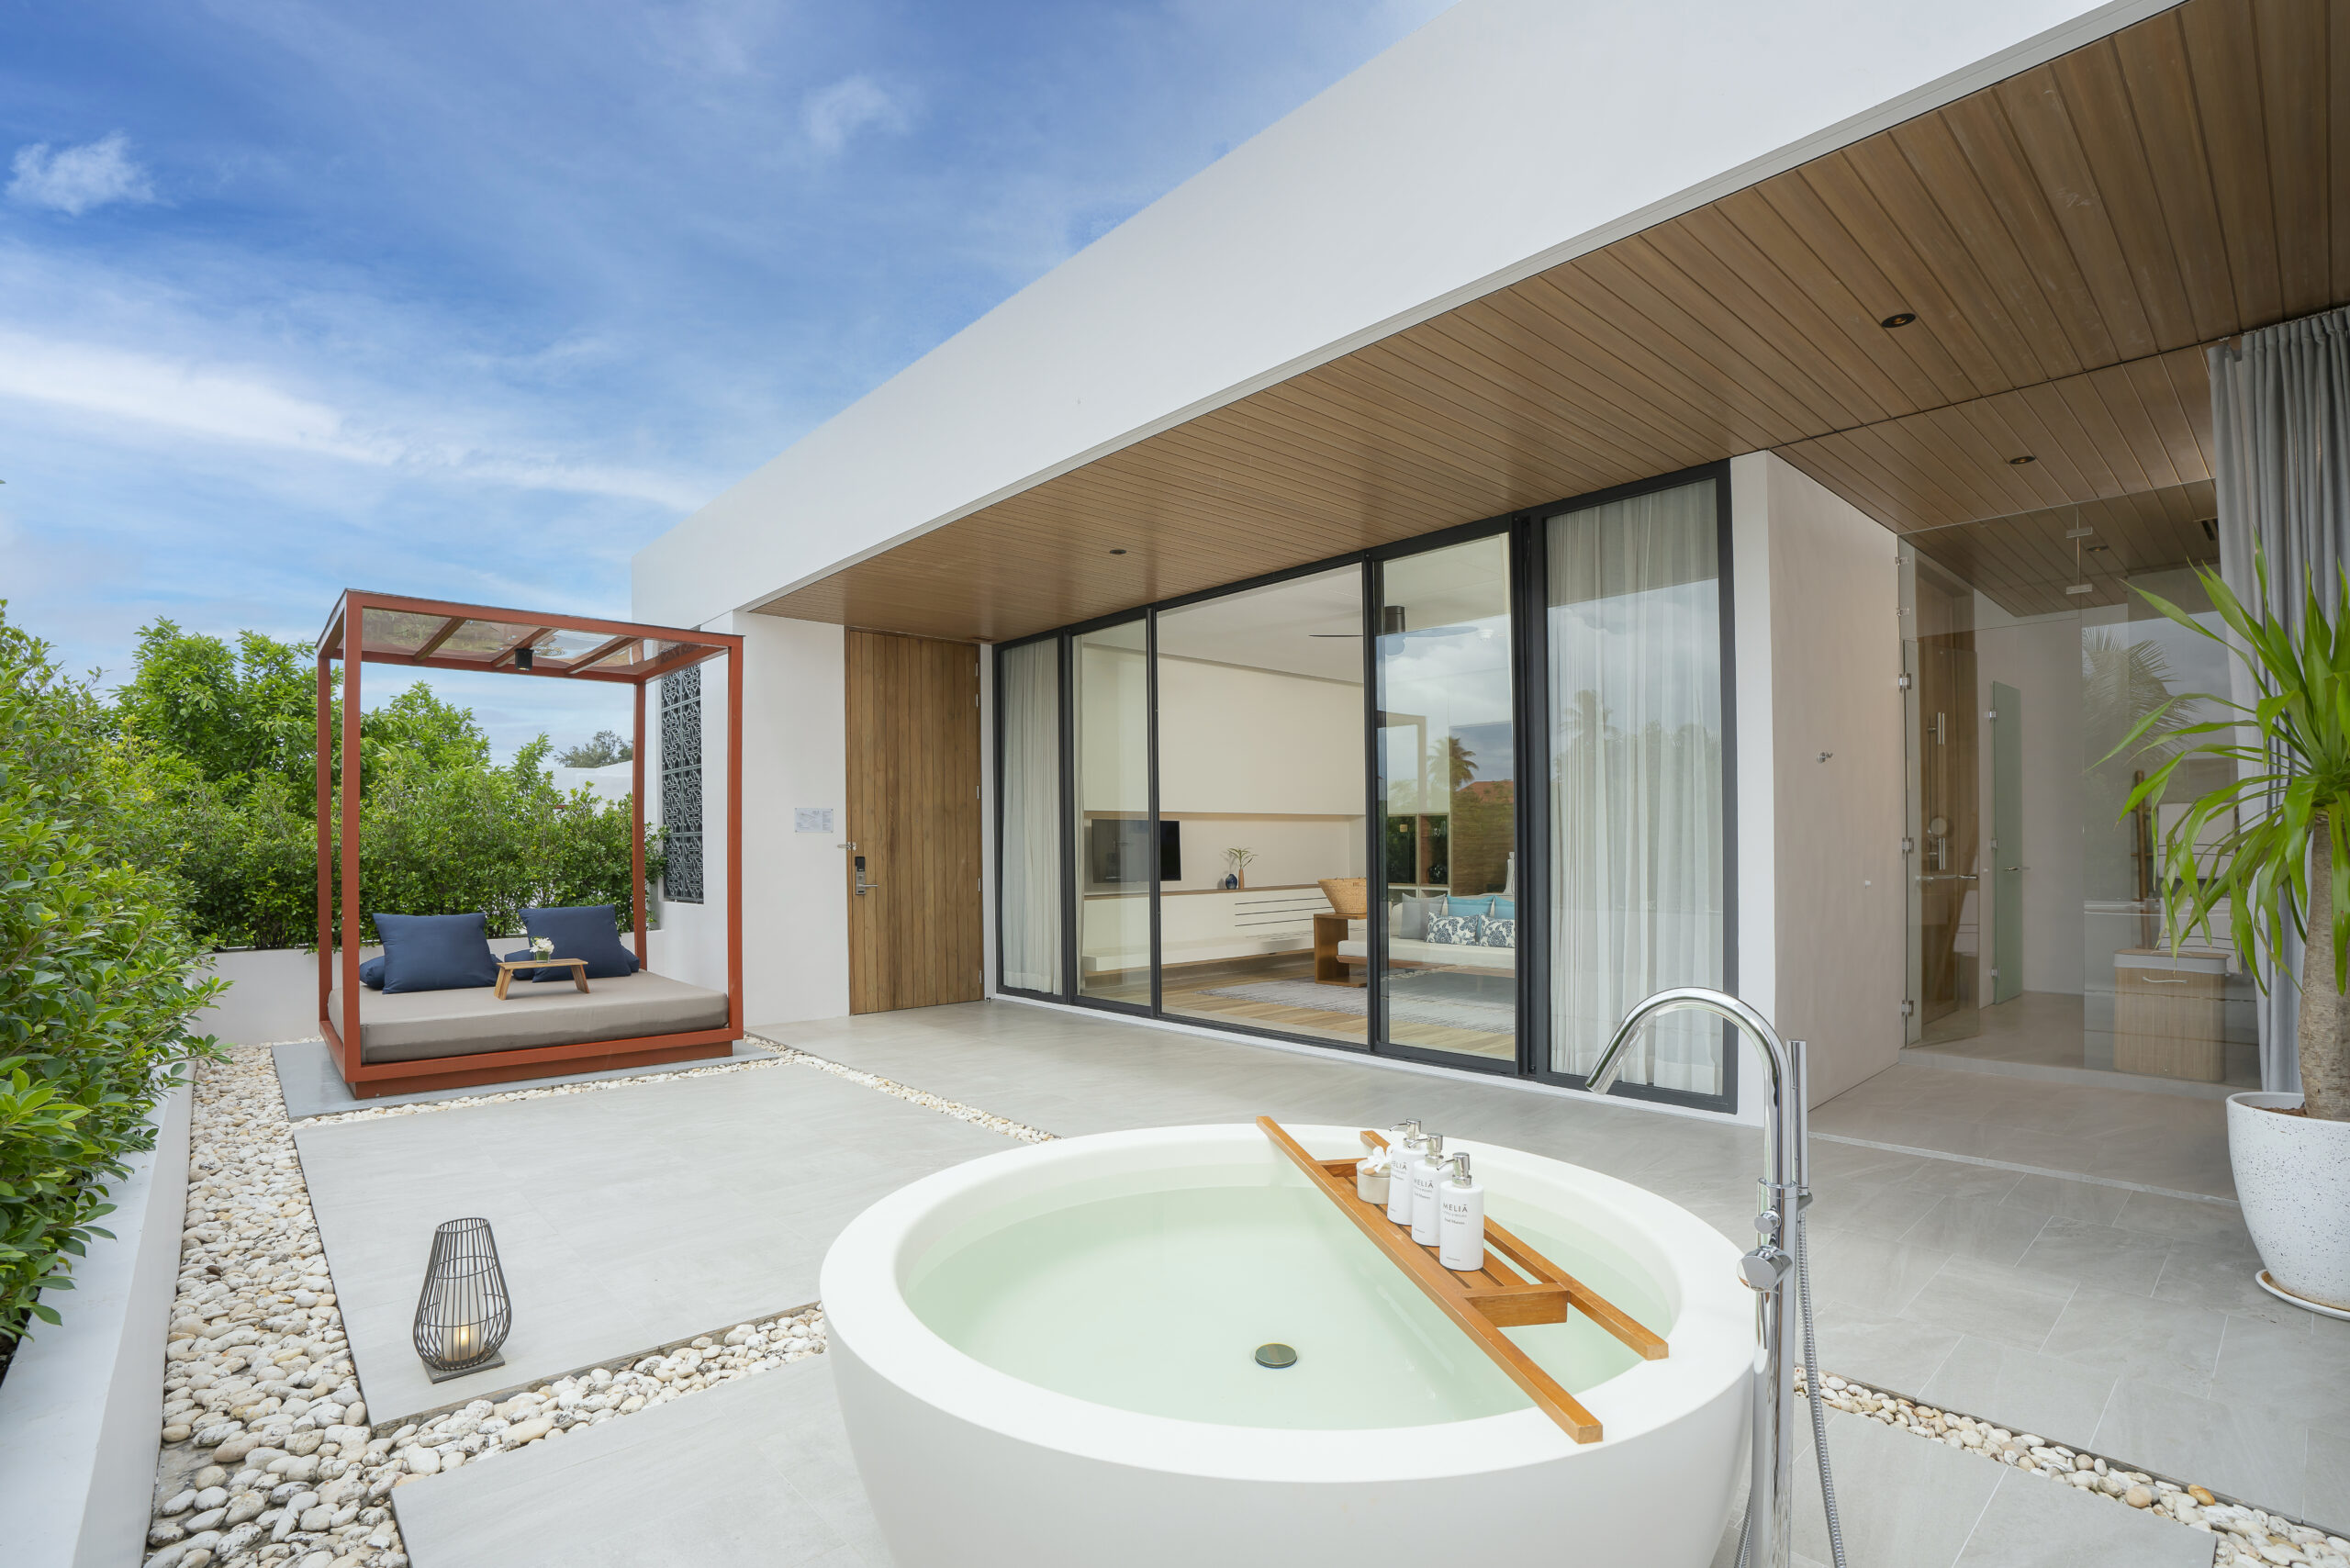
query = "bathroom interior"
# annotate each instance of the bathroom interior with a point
(2035, 931)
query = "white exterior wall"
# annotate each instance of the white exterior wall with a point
(1756, 778)
(795, 752)
(1835, 899)
(1502, 138)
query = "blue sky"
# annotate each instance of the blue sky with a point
(474, 300)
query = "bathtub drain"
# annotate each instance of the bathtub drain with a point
(1276, 1356)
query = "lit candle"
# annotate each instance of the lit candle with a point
(465, 1342)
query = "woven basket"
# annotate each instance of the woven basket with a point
(1350, 896)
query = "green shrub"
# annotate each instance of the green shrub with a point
(439, 840)
(94, 953)
(225, 742)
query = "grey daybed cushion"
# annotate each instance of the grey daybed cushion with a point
(419, 1024)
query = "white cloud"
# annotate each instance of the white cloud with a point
(75, 179)
(241, 407)
(835, 114)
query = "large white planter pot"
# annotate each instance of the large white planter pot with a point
(2293, 1180)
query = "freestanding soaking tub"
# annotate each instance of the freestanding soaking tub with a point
(1046, 1357)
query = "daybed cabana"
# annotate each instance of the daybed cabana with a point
(395, 1041)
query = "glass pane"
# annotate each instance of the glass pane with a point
(1449, 827)
(1636, 779)
(481, 637)
(1030, 868)
(1260, 799)
(566, 645)
(398, 631)
(1112, 703)
(2036, 929)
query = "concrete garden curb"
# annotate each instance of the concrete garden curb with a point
(78, 1411)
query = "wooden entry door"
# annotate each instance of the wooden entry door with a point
(914, 815)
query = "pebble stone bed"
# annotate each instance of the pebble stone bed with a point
(2251, 1537)
(268, 1456)
(268, 1459)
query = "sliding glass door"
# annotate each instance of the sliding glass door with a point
(1448, 764)
(1464, 799)
(1260, 804)
(1110, 701)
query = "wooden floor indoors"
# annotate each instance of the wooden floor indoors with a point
(1187, 989)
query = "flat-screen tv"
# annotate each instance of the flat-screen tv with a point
(1117, 851)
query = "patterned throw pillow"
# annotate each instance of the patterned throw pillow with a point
(1493, 932)
(1453, 930)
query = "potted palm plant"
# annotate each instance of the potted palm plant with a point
(2273, 847)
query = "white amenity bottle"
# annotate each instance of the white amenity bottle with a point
(1404, 1146)
(1426, 1172)
(1461, 1232)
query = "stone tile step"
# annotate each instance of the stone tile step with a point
(756, 1473)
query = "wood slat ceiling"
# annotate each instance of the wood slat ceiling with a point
(2144, 425)
(2067, 238)
(2026, 565)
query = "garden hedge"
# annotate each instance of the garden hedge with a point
(95, 954)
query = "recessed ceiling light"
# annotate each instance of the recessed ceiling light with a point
(1898, 318)
(2019, 462)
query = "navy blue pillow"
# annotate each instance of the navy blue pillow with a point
(435, 952)
(584, 930)
(371, 973)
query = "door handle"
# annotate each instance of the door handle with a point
(863, 887)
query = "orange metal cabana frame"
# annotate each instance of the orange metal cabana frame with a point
(380, 628)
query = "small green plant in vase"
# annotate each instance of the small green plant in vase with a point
(2272, 847)
(1239, 859)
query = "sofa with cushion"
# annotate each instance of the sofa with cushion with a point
(432, 993)
(1441, 932)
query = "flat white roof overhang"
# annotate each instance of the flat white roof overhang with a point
(2069, 221)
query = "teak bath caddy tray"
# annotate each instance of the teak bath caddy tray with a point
(1489, 1300)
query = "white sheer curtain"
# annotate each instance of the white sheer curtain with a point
(2280, 427)
(1636, 779)
(1030, 859)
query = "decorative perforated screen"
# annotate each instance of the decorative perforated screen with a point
(681, 784)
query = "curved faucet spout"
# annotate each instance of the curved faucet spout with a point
(1782, 1153)
(1784, 1190)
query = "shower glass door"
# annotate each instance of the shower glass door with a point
(1448, 808)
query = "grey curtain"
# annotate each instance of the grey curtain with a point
(2280, 427)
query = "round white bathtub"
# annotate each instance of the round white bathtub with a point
(1045, 1357)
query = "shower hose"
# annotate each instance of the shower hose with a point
(1819, 1415)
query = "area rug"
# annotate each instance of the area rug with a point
(1416, 997)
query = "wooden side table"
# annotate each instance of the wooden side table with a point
(507, 969)
(1329, 969)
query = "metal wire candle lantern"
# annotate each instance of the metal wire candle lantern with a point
(462, 1314)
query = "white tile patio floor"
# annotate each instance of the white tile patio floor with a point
(2101, 1315)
